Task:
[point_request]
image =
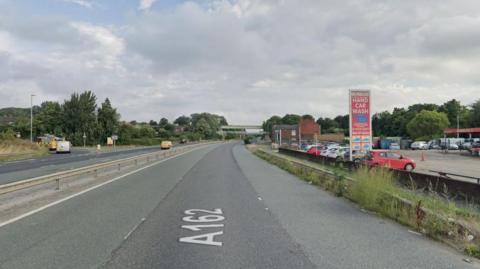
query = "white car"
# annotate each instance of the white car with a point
(328, 150)
(419, 145)
(63, 147)
(336, 152)
(394, 146)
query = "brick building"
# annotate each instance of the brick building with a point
(304, 132)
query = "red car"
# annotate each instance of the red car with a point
(390, 159)
(314, 150)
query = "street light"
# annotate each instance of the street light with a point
(31, 117)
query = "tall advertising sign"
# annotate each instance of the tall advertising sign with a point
(360, 121)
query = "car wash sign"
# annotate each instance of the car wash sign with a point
(360, 120)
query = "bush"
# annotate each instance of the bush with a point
(8, 134)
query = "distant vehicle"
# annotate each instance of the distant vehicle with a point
(475, 149)
(63, 147)
(183, 141)
(466, 146)
(166, 144)
(394, 146)
(419, 145)
(389, 159)
(451, 146)
(434, 144)
(338, 153)
(52, 145)
(314, 150)
(358, 156)
(326, 151)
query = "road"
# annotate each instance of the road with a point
(17, 170)
(215, 207)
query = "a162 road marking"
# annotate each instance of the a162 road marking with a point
(200, 220)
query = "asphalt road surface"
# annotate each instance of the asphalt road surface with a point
(214, 207)
(11, 171)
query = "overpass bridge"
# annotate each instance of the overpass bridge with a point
(241, 130)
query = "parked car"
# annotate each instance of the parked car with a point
(338, 153)
(327, 147)
(357, 156)
(452, 146)
(314, 150)
(419, 145)
(394, 146)
(390, 159)
(475, 149)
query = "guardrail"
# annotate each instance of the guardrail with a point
(94, 169)
(437, 183)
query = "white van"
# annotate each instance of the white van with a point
(63, 146)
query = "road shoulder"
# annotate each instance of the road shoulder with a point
(334, 232)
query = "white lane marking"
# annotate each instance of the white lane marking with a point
(133, 229)
(415, 233)
(87, 190)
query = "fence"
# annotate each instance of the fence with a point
(438, 183)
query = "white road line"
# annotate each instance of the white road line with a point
(415, 233)
(89, 189)
(133, 229)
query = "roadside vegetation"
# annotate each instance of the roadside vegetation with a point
(12, 148)
(376, 190)
(418, 121)
(79, 115)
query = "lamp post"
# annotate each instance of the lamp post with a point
(31, 117)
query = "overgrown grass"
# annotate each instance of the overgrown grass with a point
(17, 149)
(377, 190)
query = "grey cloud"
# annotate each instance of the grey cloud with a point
(250, 59)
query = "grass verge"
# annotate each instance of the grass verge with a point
(376, 190)
(17, 149)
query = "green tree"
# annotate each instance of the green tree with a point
(327, 125)
(268, 124)
(79, 117)
(163, 122)
(108, 120)
(475, 115)
(49, 119)
(207, 124)
(454, 109)
(290, 119)
(183, 121)
(427, 125)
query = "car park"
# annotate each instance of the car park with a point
(389, 159)
(419, 145)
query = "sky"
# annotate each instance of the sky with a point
(244, 59)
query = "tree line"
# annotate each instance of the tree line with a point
(418, 121)
(79, 115)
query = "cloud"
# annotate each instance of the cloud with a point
(145, 4)
(82, 3)
(248, 59)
